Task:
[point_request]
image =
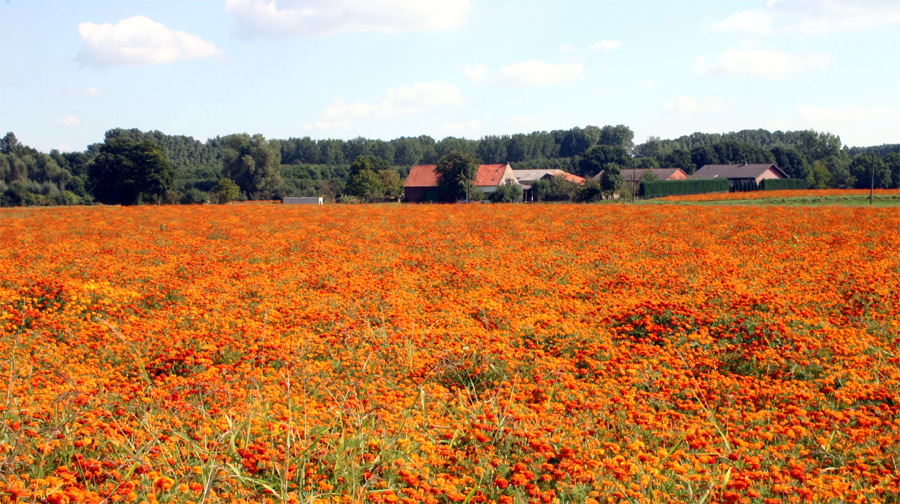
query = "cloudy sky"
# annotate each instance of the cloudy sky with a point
(70, 70)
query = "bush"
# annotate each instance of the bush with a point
(590, 191)
(510, 192)
(554, 189)
(193, 196)
(224, 191)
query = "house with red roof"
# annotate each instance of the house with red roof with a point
(421, 183)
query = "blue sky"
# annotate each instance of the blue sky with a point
(70, 70)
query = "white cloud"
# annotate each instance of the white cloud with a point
(83, 92)
(67, 121)
(566, 49)
(753, 22)
(139, 40)
(687, 106)
(524, 123)
(527, 73)
(812, 17)
(761, 63)
(606, 45)
(397, 101)
(275, 18)
(858, 126)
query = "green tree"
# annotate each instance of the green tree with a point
(252, 162)
(892, 163)
(791, 161)
(224, 191)
(365, 185)
(554, 189)
(456, 173)
(510, 192)
(590, 191)
(704, 155)
(9, 144)
(408, 151)
(819, 176)
(598, 157)
(392, 183)
(365, 182)
(617, 136)
(868, 170)
(649, 176)
(646, 162)
(839, 167)
(679, 158)
(611, 181)
(127, 172)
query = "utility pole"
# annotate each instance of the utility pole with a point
(872, 187)
(633, 171)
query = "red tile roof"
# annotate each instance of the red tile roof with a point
(489, 174)
(422, 176)
(571, 177)
(426, 175)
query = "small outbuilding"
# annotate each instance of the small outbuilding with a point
(739, 174)
(303, 200)
(636, 175)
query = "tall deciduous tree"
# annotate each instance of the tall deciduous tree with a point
(9, 143)
(791, 161)
(892, 163)
(365, 182)
(392, 183)
(869, 170)
(128, 172)
(252, 162)
(456, 173)
(617, 136)
(679, 158)
(612, 180)
(598, 157)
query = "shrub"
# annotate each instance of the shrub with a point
(510, 192)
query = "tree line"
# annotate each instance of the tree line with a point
(132, 166)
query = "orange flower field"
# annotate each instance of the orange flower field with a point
(435, 354)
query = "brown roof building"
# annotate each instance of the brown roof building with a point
(738, 173)
(635, 176)
(421, 184)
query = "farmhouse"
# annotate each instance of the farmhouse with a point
(527, 178)
(421, 184)
(635, 176)
(739, 174)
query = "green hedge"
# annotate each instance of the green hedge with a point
(661, 188)
(783, 184)
(744, 185)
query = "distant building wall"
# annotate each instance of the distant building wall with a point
(303, 200)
